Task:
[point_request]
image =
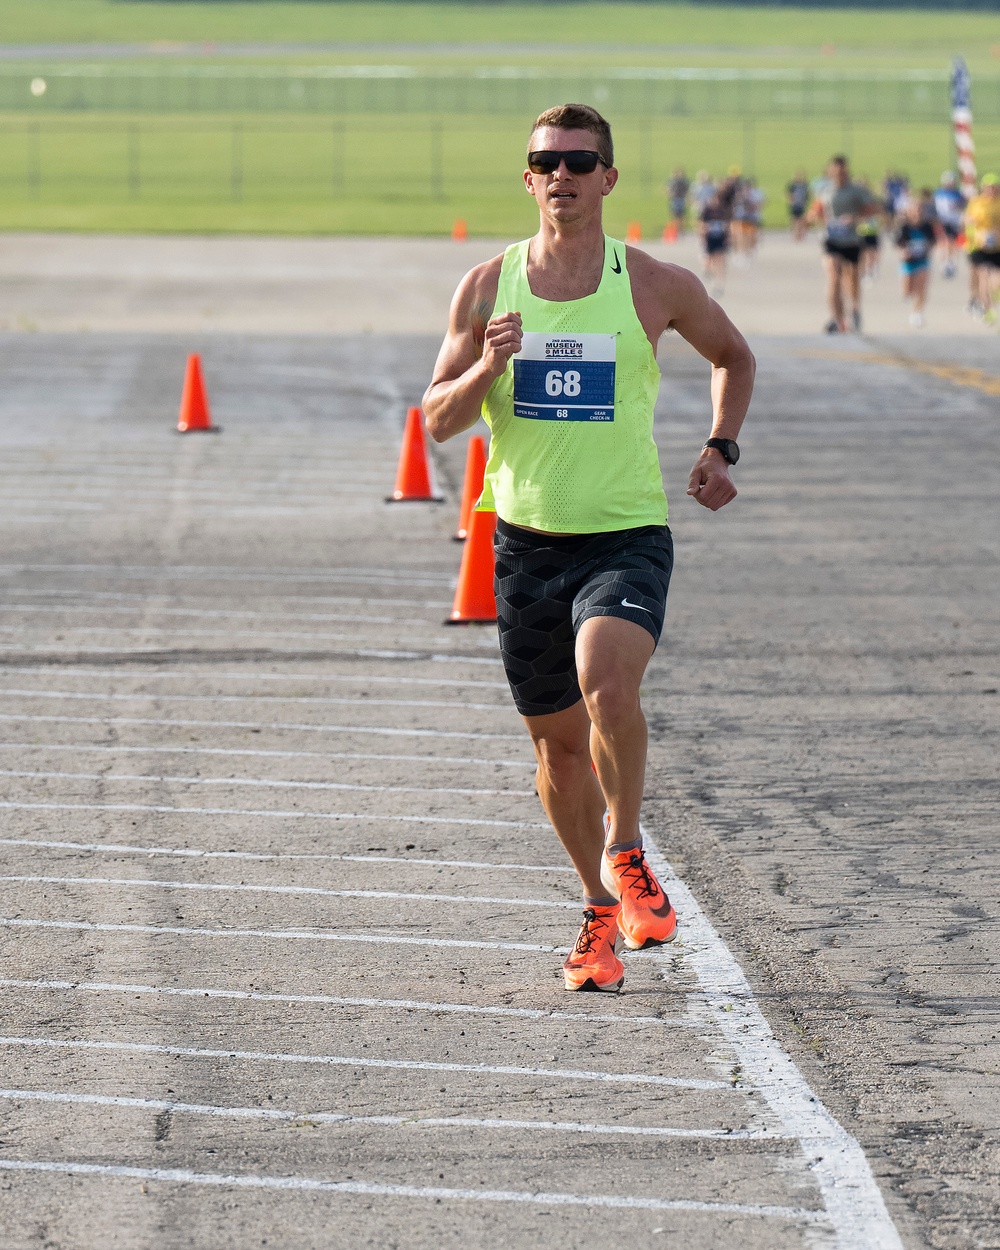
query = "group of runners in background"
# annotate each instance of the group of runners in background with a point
(853, 218)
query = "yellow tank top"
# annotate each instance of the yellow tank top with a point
(571, 420)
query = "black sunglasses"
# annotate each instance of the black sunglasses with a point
(577, 162)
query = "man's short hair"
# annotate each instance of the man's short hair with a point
(580, 117)
(839, 160)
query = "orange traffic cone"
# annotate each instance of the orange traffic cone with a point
(475, 470)
(634, 232)
(460, 231)
(475, 602)
(670, 232)
(194, 414)
(414, 479)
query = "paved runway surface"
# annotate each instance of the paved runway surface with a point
(283, 923)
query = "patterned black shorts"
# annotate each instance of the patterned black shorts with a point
(547, 586)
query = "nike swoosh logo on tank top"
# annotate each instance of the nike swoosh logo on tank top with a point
(617, 266)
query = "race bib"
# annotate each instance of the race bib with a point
(841, 231)
(565, 377)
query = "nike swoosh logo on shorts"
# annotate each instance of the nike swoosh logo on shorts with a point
(617, 266)
(626, 604)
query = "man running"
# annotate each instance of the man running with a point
(949, 204)
(678, 189)
(840, 208)
(554, 342)
(982, 240)
(797, 199)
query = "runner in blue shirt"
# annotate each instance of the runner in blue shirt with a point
(915, 238)
(949, 204)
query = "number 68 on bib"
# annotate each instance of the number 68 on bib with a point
(565, 377)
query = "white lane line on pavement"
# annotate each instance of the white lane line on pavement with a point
(289, 935)
(849, 1190)
(320, 891)
(201, 853)
(359, 1061)
(230, 573)
(150, 600)
(277, 815)
(299, 635)
(380, 1004)
(92, 696)
(384, 731)
(352, 653)
(403, 1121)
(118, 673)
(115, 747)
(264, 783)
(66, 609)
(801, 1215)
(187, 852)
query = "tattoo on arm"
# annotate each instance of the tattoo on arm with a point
(482, 310)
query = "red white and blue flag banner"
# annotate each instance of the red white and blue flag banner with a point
(961, 116)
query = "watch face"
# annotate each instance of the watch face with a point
(732, 452)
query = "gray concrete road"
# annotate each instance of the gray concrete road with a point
(281, 920)
(249, 285)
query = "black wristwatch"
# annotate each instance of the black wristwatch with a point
(729, 448)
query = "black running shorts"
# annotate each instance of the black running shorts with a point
(848, 252)
(548, 585)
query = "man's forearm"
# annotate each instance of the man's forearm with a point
(732, 387)
(454, 405)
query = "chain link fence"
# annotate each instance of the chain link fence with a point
(625, 92)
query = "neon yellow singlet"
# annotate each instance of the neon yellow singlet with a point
(571, 421)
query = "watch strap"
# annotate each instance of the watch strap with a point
(728, 447)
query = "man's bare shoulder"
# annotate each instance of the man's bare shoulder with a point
(661, 291)
(482, 280)
(659, 277)
(476, 297)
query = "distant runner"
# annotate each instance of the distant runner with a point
(797, 198)
(870, 236)
(677, 194)
(713, 225)
(949, 204)
(982, 241)
(915, 237)
(841, 206)
(554, 343)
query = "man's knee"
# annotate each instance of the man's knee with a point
(612, 699)
(561, 763)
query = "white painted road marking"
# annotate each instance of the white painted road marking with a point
(850, 1192)
(243, 888)
(197, 853)
(358, 1061)
(91, 696)
(618, 1201)
(262, 726)
(277, 815)
(402, 1121)
(222, 573)
(305, 935)
(290, 755)
(397, 679)
(267, 784)
(390, 1004)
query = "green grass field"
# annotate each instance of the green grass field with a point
(385, 175)
(737, 34)
(183, 133)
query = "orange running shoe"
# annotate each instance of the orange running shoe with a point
(592, 963)
(646, 917)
